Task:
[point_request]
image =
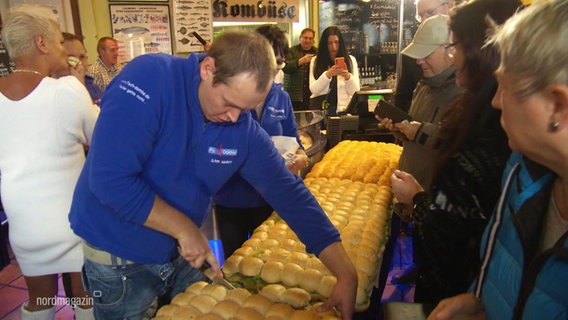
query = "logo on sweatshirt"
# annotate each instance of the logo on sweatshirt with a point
(277, 113)
(223, 152)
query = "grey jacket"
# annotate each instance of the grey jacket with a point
(431, 99)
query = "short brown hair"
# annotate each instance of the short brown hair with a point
(236, 52)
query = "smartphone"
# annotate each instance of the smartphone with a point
(340, 62)
(387, 110)
(73, 62)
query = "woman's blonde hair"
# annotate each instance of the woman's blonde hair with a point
(533, 46)
(24, 22)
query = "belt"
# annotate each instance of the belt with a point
(102, 257)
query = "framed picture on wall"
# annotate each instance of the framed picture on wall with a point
(66, 10)
(140, 29)
(192, 18)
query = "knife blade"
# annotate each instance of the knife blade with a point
(208, 272)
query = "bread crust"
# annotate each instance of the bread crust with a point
(272, 271)
(296, 297)
(250, 266)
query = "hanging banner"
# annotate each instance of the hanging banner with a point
(256, 10)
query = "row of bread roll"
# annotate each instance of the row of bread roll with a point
(350, 198)
(358, 160)
(296, 297)
(361, 212)
(363, 232)
(313, 277)
(210, 301)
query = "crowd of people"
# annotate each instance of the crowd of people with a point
(471, 151)
(125, 199)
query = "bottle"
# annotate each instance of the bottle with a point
(379, 76)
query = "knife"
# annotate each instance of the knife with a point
(208, 272)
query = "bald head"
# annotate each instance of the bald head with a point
(429, 8)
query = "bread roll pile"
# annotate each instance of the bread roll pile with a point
(352, 185)
(359, 210)
(274, 254)
(206, 301)
(363, 161)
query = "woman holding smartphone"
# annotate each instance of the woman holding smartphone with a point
(334, 74)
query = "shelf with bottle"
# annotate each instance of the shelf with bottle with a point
(389, 47)
(370, 76)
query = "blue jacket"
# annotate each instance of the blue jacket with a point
(152, 138)
(518, 282)
(277, 119)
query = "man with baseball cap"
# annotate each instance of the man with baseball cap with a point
(434, 93)
(428, 46)
(411, 73)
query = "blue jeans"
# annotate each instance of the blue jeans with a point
(131, 292)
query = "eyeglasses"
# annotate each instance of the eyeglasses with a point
(451, 49)
(429, 13)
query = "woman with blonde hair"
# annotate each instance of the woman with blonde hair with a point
(44, 123)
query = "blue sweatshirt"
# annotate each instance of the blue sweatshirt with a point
(151, 139)
(277, 119)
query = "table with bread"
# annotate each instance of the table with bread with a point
(275, 277)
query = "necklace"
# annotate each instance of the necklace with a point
(27, 71)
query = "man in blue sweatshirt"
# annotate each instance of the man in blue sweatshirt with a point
(171, 133)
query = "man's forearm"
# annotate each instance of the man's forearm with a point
(166, 219)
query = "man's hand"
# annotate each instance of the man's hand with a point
(344, 293)
(463, 307)
(387, 123)
(193, 246)
(79, 71)
(195, 249)
(299, 162)
(409, 129)
(305, 59)
(404, 186)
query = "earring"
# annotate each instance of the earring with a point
(553, 127)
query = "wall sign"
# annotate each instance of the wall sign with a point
(191, 16)
(256, 10)
(140, 29)
(67, 11)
